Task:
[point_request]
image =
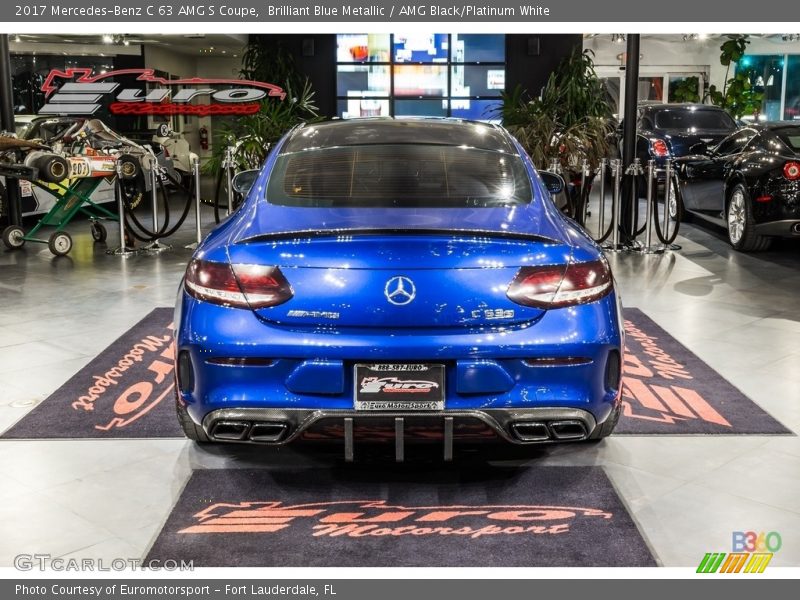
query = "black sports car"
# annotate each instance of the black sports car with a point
(749, 183)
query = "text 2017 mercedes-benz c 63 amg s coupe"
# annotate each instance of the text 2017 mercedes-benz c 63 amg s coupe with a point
(398, 279)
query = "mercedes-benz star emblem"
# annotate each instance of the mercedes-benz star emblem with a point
(400, 291)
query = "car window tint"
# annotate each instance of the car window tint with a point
(735, 143)
(401, 175)
(701, 120)
(790, 136)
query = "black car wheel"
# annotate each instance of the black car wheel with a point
(606, 428)
(192, 431)
(677, 212)
(741, 225)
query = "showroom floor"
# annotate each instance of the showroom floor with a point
(109, 498)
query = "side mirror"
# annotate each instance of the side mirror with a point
(699, 148)
(554, 184)
(242, 182)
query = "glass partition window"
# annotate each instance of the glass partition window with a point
(791, 110)
(765, 73)
(421, 74)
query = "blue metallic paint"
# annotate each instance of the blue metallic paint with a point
(313, 359)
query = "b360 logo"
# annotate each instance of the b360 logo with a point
(751, 541)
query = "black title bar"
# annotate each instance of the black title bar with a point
(376, 11)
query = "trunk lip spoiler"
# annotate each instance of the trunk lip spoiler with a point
(375, 231)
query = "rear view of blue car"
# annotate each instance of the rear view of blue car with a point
(398, 280)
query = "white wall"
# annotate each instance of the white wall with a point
(669, 52)
(189, 65)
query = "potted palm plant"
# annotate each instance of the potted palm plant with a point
(569, 123)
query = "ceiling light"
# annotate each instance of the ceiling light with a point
(17, 39)
(617, 38)
(108, 38)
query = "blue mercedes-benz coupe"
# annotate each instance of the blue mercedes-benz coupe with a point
(398, 279)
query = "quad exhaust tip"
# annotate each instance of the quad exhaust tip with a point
(538, 431)
(531, 432)
(265, 432)
(568, 430)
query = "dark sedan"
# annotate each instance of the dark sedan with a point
(748, 183)
(670, 130)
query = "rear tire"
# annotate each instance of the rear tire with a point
(741, 224)
(191, 430)
(606, 428)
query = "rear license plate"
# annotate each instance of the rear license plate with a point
(399, 387)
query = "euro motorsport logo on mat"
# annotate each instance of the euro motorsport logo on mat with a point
(377, 519)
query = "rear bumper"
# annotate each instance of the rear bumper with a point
(276, 427)
(782, 228)
(308, 375)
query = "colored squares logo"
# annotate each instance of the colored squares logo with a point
(734, 562)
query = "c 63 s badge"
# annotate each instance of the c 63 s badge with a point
(492, 314)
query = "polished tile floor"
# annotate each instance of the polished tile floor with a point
(739, 313)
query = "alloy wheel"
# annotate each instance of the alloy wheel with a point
(672, 203)
(736, 217)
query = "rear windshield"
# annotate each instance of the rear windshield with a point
(399, 175)
(791, 137)
(708, 120)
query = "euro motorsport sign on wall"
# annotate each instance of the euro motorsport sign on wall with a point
(81, 93)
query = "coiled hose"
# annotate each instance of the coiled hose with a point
(141, 232)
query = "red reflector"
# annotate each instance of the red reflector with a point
(763, 198)
(557, 361)
(554, 286)
(241, 286)
(660, 148)
(791, 171)
(234, 361)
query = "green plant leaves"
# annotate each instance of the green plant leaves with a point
(570, 121)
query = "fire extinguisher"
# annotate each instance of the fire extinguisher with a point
(204, 138)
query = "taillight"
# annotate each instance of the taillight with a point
(554, 286)
(240, 286)
(659, 148)
(791, 171)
